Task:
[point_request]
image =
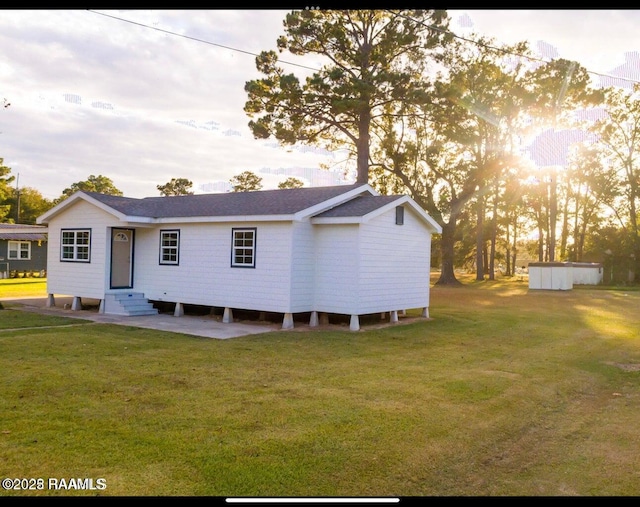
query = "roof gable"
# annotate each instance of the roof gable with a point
(364, 207)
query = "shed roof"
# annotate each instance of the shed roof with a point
(22, 232)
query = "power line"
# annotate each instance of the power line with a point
(169, 32)
(431, 27)
(511, 53)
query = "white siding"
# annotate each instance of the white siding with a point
(337, 260)
(373, 267)
(587, 274)
(79, 278)
(394, 263)
(204, 275)
(303, 267)
(551, 276)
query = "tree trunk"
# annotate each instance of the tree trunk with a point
(564, 233)
(480, 265)
(362, 146)
(507, 249)
(553, 211)
(447, 242)
(515, 247)
(494, 233)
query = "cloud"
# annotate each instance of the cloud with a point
(94, 94)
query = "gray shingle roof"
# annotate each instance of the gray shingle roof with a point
(18, 232)
(263, 202)
(359, 206)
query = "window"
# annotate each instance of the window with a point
(20, 250)
(169, 247)
(243, 252)
(399, 215)
(75, 245)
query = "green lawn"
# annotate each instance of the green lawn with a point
(504, 391)
(23, 287)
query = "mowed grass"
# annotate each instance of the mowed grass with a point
(23, 287)
(504, 391)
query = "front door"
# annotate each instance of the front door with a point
(121, 258)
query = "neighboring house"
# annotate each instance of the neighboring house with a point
(23, 248)
(324, 250)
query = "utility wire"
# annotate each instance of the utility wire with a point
(431, 27)
(500, 50)
(168, 32)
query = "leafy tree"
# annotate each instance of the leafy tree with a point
(5, 180)
(177, 186)
(376, 61)
(619, 135)
(558, 88)
(5, 190)
(590, 188)
(32, 204)
(291, 182)
(246, 182)
(99, 183)
(449, 153)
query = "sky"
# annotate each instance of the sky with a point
(144, 96)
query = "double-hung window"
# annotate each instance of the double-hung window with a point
(169, 247)
(20, 250)
(243, 251)
(75, 245)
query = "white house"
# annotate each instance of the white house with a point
(338, 249)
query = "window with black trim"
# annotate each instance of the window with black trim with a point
(20, 250)
(75, 245)
(169, 247)
(243, 250)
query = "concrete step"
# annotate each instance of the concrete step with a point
(128, 303)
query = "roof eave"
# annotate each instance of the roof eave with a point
(224, 218)
(336, 220)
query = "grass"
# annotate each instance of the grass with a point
(503, 392)
(23, 287)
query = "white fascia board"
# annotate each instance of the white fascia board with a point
(335, 201)
(44, 218)
(435, 226)
(69, 201)
(42, 229)
(405, 199)
(431, 223)
(131, 221)
(223, 219)
(337, 220)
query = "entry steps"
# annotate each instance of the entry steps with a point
(128, 303)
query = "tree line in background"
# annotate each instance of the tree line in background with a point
(443, 119)
(24, 205)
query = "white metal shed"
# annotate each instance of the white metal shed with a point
(551, 275)
(587, 273)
